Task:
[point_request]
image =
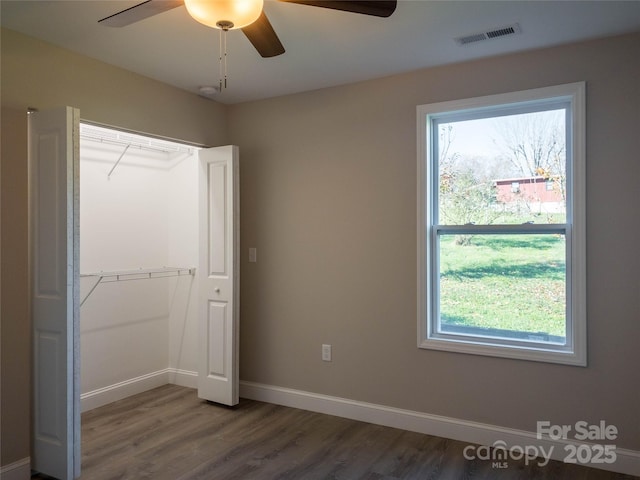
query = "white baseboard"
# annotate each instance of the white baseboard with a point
(20, 470)
(118, 391)
(627, 461)
(184, 378)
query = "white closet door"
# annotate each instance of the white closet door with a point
(218, 275)
(53, 196)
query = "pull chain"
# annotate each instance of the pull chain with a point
(224, 34)
(224, 28)
(220, 62)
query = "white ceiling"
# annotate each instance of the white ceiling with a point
(323, 47)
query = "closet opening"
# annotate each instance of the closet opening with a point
(144, 233)
(138, 261)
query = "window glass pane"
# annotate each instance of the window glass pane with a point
(503, 169)
(504, 286)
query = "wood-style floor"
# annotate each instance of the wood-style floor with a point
(169, 434)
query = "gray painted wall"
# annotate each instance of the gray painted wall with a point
(328, 182)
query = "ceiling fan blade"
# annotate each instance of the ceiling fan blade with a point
(139, 12)
(377, 8)
(263, 37)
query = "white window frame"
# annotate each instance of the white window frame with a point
(573, 352)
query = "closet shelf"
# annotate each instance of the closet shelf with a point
(140, 274)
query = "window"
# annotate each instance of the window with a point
(501, 272)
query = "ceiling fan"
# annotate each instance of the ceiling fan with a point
(230, 14)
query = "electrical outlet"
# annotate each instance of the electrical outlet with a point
(326, 353)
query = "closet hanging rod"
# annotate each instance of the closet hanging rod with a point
(140, 274)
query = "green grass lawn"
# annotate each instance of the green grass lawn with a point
(507, 282)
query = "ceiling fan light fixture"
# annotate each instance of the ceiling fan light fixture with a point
(225, 14)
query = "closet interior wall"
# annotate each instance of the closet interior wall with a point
(138, 212)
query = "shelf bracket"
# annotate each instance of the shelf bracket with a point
(118, 161)
(95, 285)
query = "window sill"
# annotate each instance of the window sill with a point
(536, 352)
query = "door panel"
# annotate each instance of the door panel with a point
(54, 235)
(218, 273)
(216, 337)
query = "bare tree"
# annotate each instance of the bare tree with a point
(534, 144)
(466, 195)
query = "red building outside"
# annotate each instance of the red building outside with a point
(544, 192)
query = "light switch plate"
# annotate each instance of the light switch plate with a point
(326, 353)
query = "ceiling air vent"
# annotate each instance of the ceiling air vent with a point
(496, 33)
